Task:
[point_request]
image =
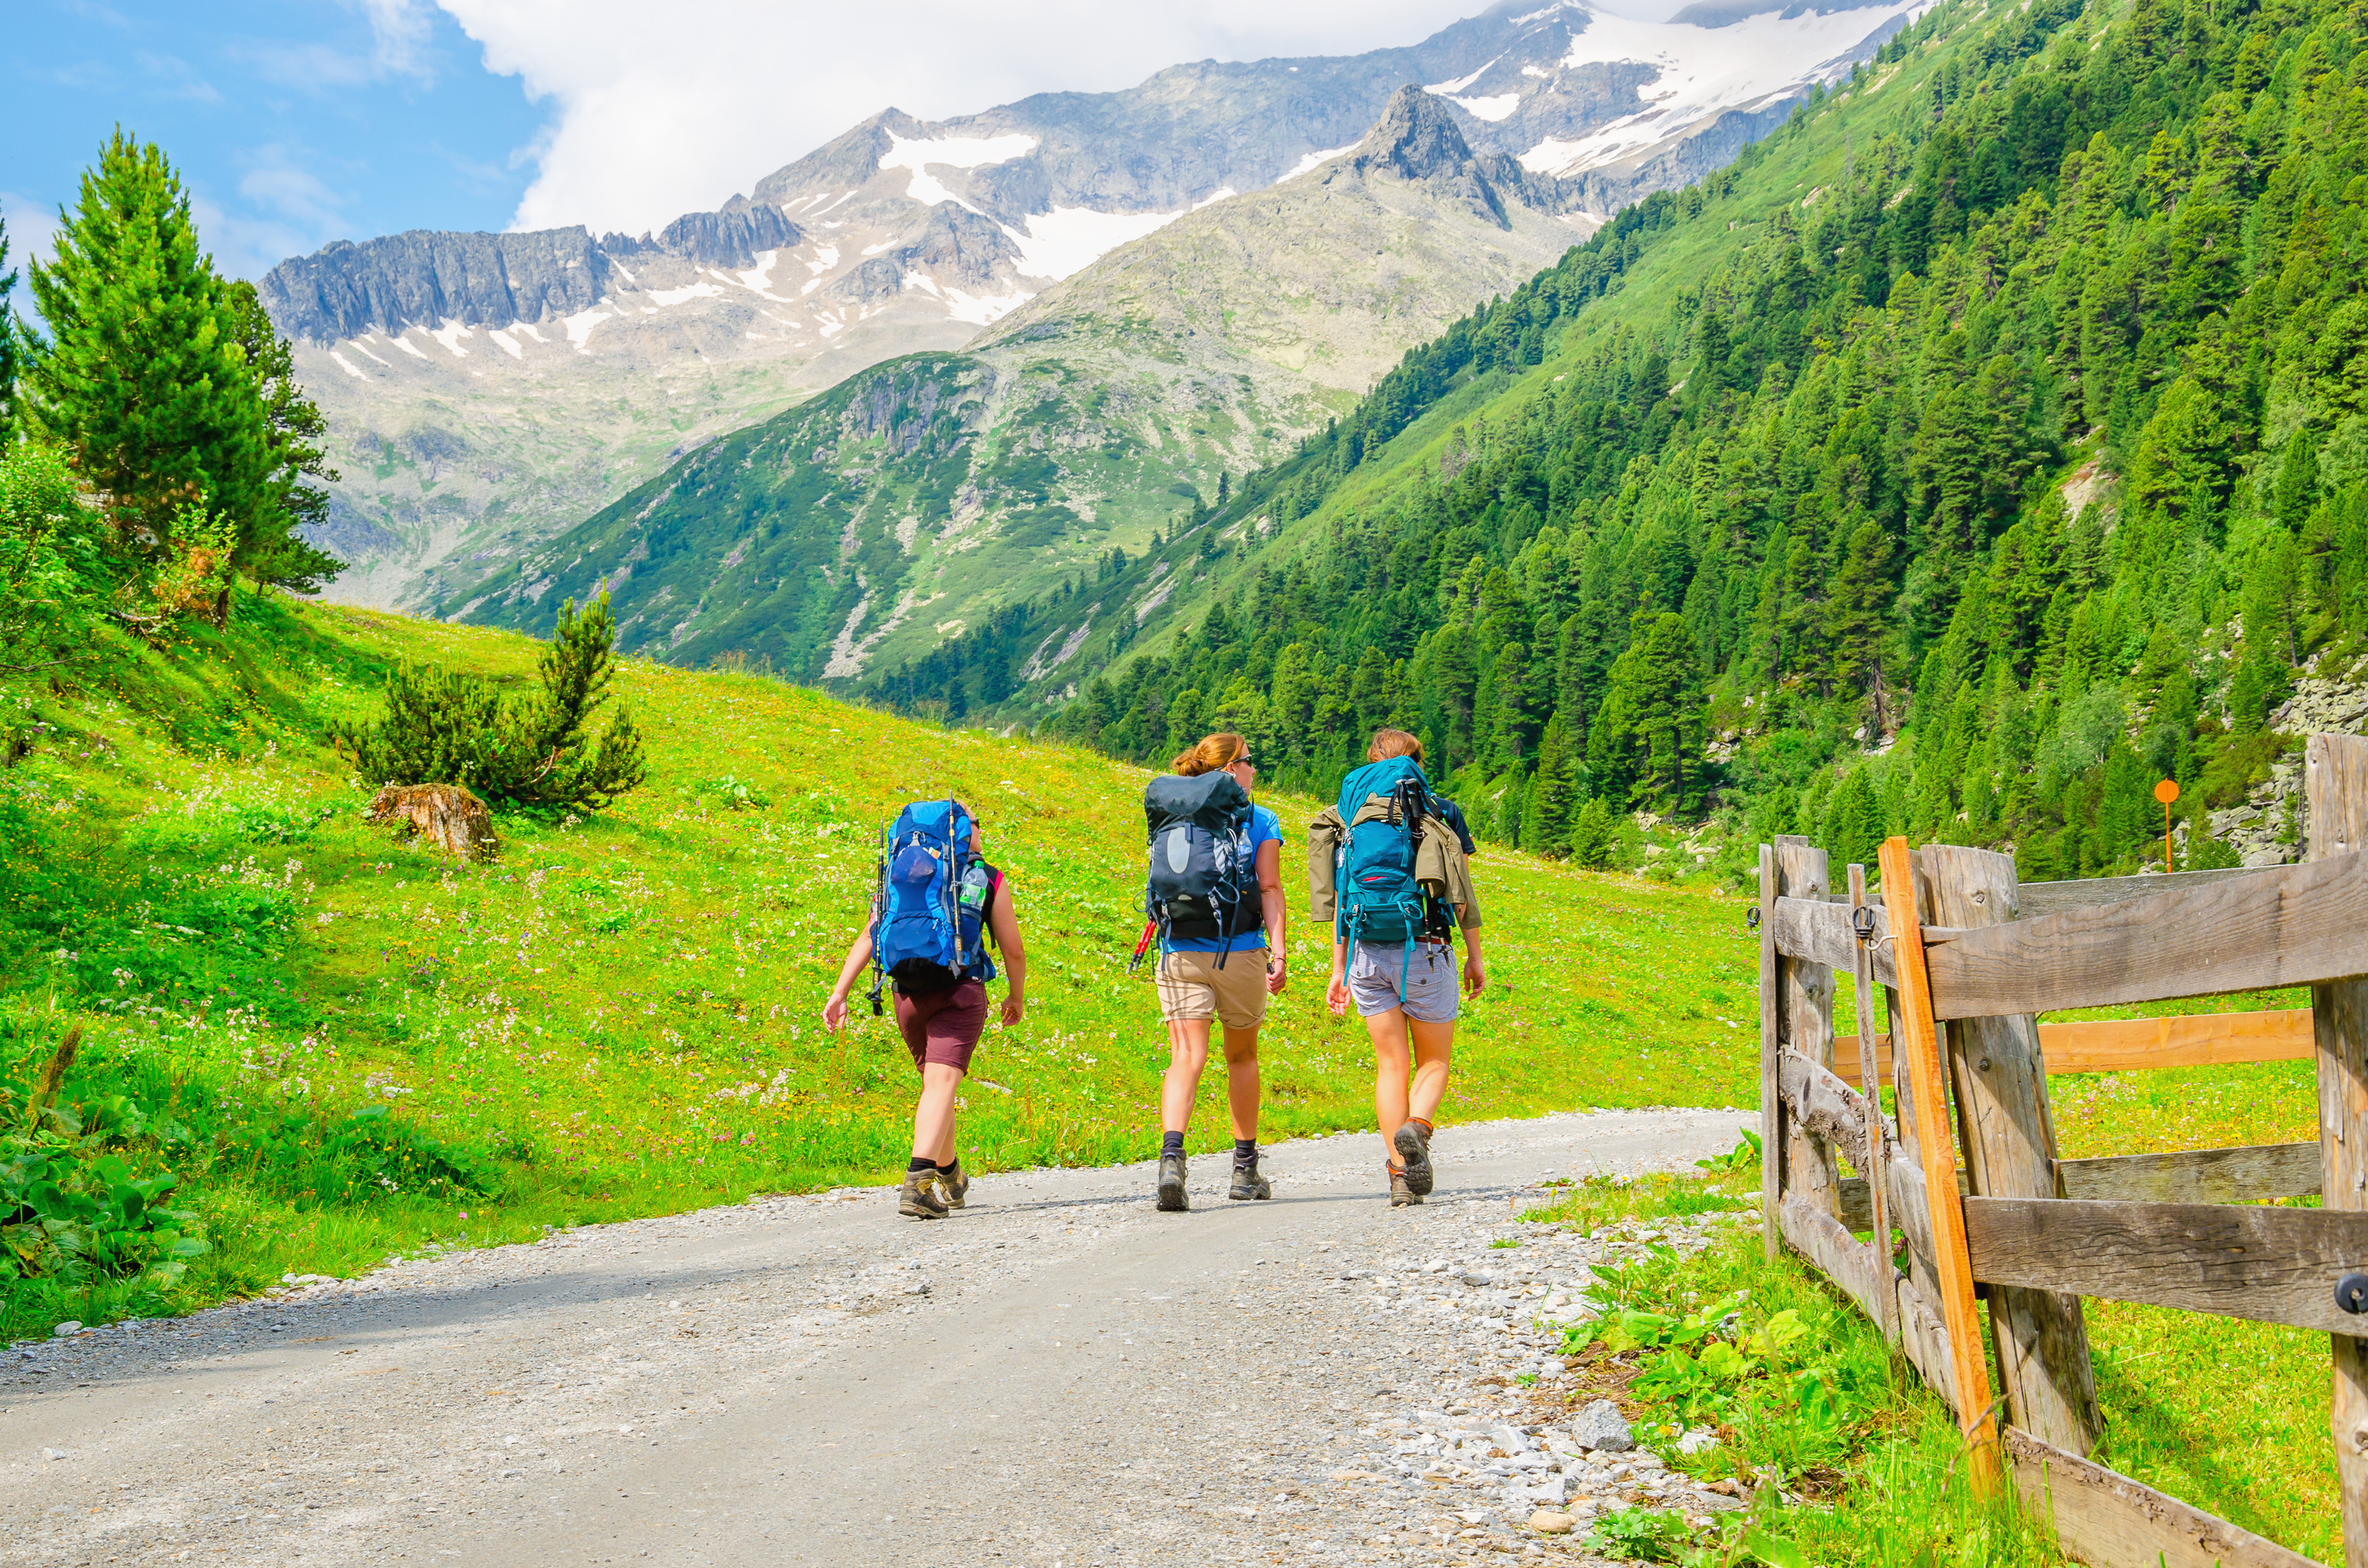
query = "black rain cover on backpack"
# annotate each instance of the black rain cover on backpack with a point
(1203, 881)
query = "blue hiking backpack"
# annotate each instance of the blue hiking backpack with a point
(1372, 871)
(1203, 871)
(928, 916)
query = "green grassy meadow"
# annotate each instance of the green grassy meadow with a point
(349, 1042)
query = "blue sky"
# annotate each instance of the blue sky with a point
(291, 123)
(295, 122)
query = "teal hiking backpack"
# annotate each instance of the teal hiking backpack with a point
(928, 915)
(1372, 871)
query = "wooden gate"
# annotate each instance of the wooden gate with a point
(1967, 959)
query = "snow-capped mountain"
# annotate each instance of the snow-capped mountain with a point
(486, 391)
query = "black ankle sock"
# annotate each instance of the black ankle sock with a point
(950, 1165)
(1170, 1144)
(1246, 1150)
(920, 1163)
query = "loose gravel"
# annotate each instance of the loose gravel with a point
(1057, 1375)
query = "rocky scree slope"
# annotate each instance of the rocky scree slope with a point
(485, 392)
(909, 503)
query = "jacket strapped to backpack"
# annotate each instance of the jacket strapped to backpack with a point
(929, 910)
(1202, 880)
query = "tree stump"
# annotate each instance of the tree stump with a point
(446, 814)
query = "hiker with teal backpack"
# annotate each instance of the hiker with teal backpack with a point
(1214, 901)
(1389, 866)
(936, 904)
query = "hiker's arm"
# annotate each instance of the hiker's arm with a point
(1014, 955)
(1336, 994)
(859, 953)
(1278, 917)
(1476, 972)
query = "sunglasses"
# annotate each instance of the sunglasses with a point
(1242, 761)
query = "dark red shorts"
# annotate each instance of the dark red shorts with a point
(943, 1028)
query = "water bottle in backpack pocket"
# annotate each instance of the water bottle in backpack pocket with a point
(929, 921)
(1203, 881)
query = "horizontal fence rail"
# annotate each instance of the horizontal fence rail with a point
(2123, 1045)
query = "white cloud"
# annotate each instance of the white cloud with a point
(400, 33)
(657, 114)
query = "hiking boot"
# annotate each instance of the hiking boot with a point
(952, 1185)
(1414, 1151)
(1171, 1185)
(1400, 1193)
(919, 1200)
(1248, 1183)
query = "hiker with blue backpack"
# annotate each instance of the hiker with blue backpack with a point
(1213, 902)
(1389, 866)
(936, 904)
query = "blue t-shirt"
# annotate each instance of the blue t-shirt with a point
(1265, 829)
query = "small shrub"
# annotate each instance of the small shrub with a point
(445, 727)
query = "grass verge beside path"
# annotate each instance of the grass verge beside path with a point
(1798, 1385)
(347, 1047)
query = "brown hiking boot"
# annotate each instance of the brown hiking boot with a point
(1400, 1193)
(1413, 1145)
(919, 1200)
(953, 1186)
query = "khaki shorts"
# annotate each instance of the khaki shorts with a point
(1192, 986)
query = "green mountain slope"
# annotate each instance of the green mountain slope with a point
(1981, 447)
(907, 504)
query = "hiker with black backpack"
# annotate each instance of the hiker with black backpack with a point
(935, 904)
(1213, 902)
(1389, 866)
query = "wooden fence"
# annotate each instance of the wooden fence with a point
(1966, 958)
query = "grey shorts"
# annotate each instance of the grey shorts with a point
(1377, 970)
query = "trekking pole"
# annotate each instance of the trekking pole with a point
(1142, 946)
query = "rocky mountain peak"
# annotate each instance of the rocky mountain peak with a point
(1415, 138)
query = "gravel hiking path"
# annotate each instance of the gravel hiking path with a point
(1058, 1375)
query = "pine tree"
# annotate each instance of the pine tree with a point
(1545, 826)
(1594, 835)
(11, 338)
(272, 545)
(142, 379)
(1853, 826)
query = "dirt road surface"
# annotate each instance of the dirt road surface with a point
(1058, 1375)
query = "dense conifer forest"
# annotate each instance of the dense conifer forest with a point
(1967, 495)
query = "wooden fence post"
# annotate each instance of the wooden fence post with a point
(1876, 1159)
(2336, 774)
(2001, 1082)
(1917, 1048)
(1806, 1025)
(1771, 1102)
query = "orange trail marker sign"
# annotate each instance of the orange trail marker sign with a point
(2166, 791)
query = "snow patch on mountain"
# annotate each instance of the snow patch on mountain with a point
(1488, 109)
(1707, 71)
(951, 153)
(1318, 159)
(1070, 239)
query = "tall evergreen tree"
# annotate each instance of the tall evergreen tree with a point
(11, 338)
(272, 547)
(1545, 827)
(142, 379)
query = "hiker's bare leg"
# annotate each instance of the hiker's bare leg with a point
(1242, 1079)
(1390, 1063)
(933, 1118)
(1187, 1053)
(1432, 1044)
